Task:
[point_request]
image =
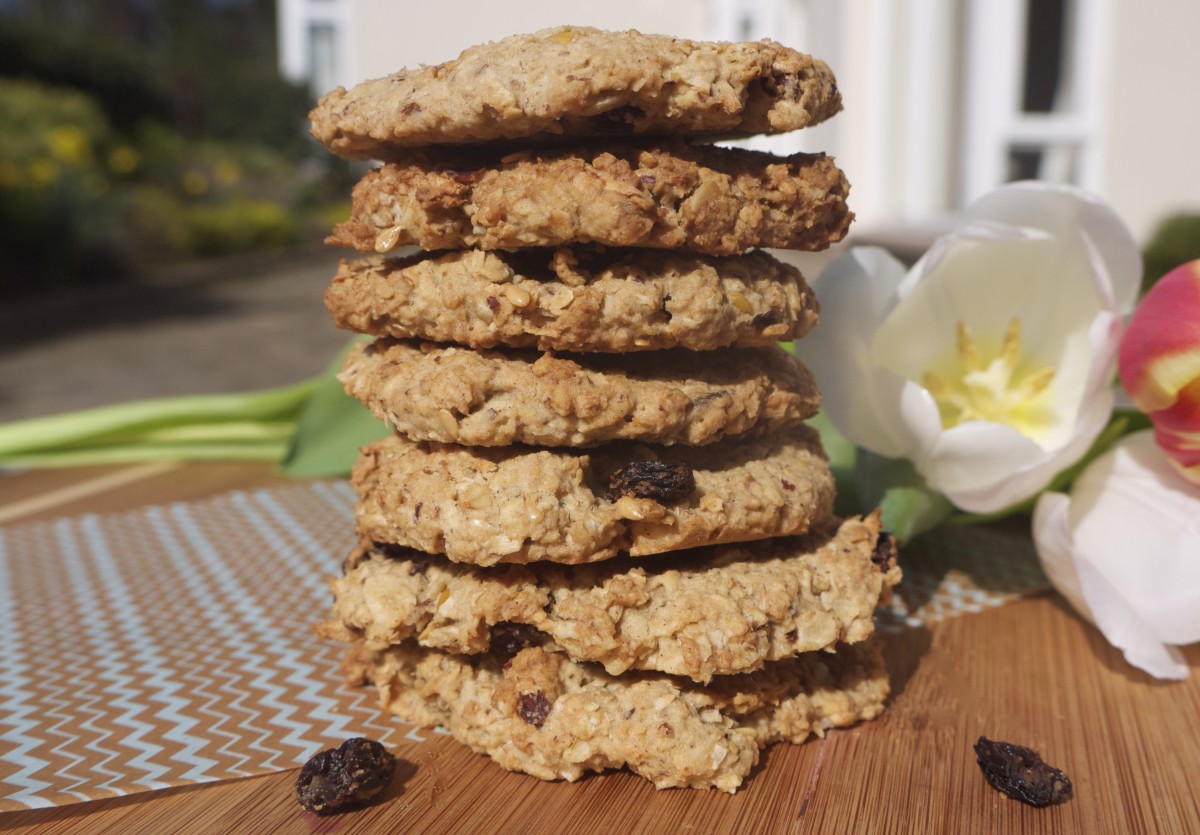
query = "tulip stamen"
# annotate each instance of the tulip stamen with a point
(1001, 389)
(968, 353)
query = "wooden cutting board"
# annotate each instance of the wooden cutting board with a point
(1030, 672)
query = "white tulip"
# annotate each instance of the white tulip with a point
(1124, 550)
(989, 364)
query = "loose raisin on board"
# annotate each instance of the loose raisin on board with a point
(1021, 773)
(349, 775)
(652, 480)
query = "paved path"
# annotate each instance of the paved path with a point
(235, 325)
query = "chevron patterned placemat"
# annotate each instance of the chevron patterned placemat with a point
(174, 644)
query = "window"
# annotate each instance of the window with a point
(321, 56)
(1032, 78)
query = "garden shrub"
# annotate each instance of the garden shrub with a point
(55, 178)
(239, 225)
(122, 81)
(1175, 241)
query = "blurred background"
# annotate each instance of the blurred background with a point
(162, 206)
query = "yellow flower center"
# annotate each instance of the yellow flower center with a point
(1000, 389)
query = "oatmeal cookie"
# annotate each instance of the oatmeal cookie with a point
(574, 299)
(578, 82)
(709, 199)
(485, 505)
(495, 398)
(727, 610)
(543, 714)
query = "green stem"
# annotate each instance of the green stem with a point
(222, 432)
(137, 453)
(127, 421)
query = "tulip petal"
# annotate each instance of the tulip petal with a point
(1160, 356)
(1052, 538)
(1121, 551)
(1138, 522)
(988, 467)
(870, 406)
(1125, 629)
(1066, 212)
(973, 464)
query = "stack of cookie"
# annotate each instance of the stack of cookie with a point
(601, 534)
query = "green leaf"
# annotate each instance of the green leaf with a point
(841, 454)
(331, 429)
(909, 505)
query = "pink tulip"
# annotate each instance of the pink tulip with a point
(1159, 364)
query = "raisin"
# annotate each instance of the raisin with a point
(885, 551)
(509, 638)
(349, 775)
(764, 320)
(652, 480)
(625, 116)
(772, 83)
(1021, 773)
(418, 566)
(533, 708)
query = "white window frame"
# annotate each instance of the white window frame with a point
(994, 122)
(751, 20)
(294, 20)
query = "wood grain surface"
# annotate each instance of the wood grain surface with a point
(1030, 672)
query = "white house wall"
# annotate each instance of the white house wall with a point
(391, 35)
(1151, 120)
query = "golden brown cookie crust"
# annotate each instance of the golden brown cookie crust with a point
(719, 201)
(485, 505)
(571, 299)
(543, 714)
(496, 398)
(728, 609)
(579, 82)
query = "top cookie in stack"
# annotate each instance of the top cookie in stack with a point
(581, 368)
(580, 83)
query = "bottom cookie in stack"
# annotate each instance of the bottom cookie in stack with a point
(539, 712)
(680, 667)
